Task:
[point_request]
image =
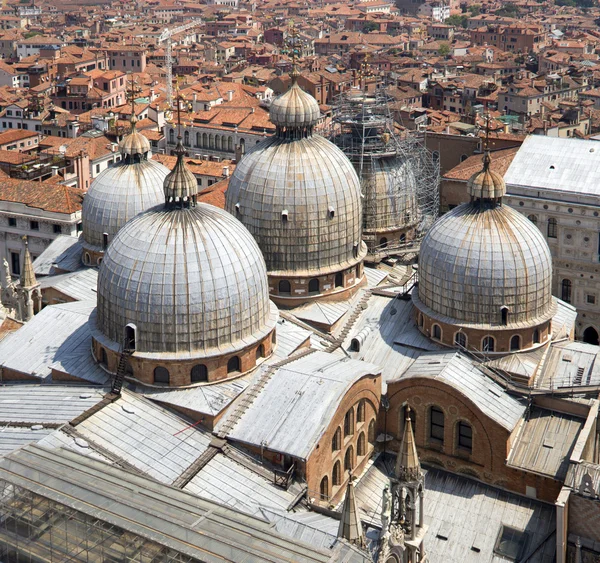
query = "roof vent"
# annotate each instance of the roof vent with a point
(444, 531)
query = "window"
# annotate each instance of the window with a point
(533, 219)
(12, 222)
(233, 365)
(15, 263)
(372, 431)
(504, 315)
(511, 543)
(361, 447)
(260, 352)
(130, 337)
(421, 320)
(565, 290)
(349, 459)
(383, 242)
(488, 344)
(336, 441)
(313, 286)
(57, 229)
(97, 168)
(161, 375)
(199, 373)
(34, 225)
(552, 228)
(436, 332)
(515, 343)
(465, 436)
(591, 299)
(536, 336)
(360, 411)
(285, 287)
(460, 339)
(103, 359)
(436, 425)
(339, 280)
(337, 474)
(349, 423)
(324, 488)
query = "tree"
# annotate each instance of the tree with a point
(457, 21)
(370, 26)
(444, 50)
(509, 10)
(475, 9)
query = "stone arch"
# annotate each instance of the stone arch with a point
(199, 373)
(590, 335)
(233, 365)
(162, 375)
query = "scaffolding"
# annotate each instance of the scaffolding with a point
(399, 176)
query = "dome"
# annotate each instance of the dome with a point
(301, 201)
(180, 183)
(486, 184)
(192, 281)
(295, 108)
(117, 195)
(390, 189)
(482, 257)
(135, 143)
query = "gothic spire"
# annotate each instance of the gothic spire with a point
(350, 526)
(408, 466)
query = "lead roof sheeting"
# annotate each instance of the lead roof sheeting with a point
(12, 438)
(556, 164)
(563, 322)
(64, 251)
(80, 285)
(545, 443)
(51, 404)
(466, 510)
(459, 372)
(289, 337)
(151, 510)
(231, 484)
(570, 364)
(56, 332)
(58, 439)
(285, 417)
(323, 312)
(147, 436)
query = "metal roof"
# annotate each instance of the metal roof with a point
(59, 336)
(458, 371)
(80, 285)
(64, 252)
(557, 164)
(198, 528)
(570, 364)
(14, 437)
(545, 443)
(285, 417)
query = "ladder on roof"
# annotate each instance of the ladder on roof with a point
(119, 378)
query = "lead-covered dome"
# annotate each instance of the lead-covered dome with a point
(480, 258)
(299, 196)
(192, 281)
(119, 193)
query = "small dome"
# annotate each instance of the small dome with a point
(191, 280)
(117, 195)
(135, 142)
(295, 109)
(486, 184)
(481, 257)
(180, 184)
(301, 200)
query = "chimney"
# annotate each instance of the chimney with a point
(225, 171)
(229, 95)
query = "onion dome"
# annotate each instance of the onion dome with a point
(189, 277)
(299, 195)
(180, 184)
(119, 193)
(483, 264)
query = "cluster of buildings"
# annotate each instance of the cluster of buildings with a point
(331, 294)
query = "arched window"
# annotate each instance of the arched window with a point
(260, 352)
(324, 488)
(349, 423)
(161, 375)
(565, 290)
(349, 459)
(339, 279)
(186, 138)
(552, 228)
(515, 343)
(372, 431)
(504, 315)
(285, 288)
(211, 141)
(436, 156)
(403, 238)
(421, 320)
(436, 425)
(103, 359)
(313, 286)
(465, 436)
(243, 146)
(205, 140)
(437, 332)
(198, 139)
(130, 337)
(360, 411)
(460, 339)
(590, 335)
(86, 259)
(199, 373)
(536, 336)
(336, 441)
(230, 144)
(233, 365)
(463, 157)
(488, 344)
(533, 219)
(357, 274)
(383, 242)
(337, 474)
(218, 142)
(171, 136)
(361, 445)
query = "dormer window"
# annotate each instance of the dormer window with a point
(284, 215)
(331, 212)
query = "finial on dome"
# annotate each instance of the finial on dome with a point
(134, 144)
(131, 97)
(293, 33)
